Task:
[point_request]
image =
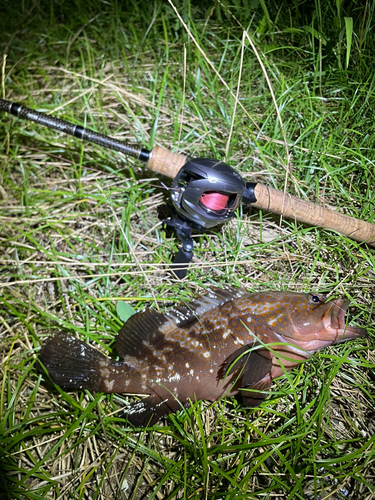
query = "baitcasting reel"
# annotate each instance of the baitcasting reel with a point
(204, 193)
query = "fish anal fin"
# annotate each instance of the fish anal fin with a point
(140, 329)
(149, 410)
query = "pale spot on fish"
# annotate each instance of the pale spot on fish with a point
(206, 354)
(104, 372)
(103, 368)
(187, 365)
(109, 384)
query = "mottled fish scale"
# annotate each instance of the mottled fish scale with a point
(213, 346)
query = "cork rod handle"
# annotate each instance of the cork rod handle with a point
(310, 213)
(164, 162)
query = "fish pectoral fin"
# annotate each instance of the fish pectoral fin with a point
(236, 360)
(258, 365)
(149, 410)
(250, 398)
(256, 377)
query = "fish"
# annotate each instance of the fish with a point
(226, 342)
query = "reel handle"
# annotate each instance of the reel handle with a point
(277, 202)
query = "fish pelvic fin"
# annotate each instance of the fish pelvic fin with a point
(250, 396)
(73, 364)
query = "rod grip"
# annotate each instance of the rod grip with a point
(292, 207)
(165, 162)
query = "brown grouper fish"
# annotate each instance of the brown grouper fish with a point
(221, 343)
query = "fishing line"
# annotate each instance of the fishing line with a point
(214, 201)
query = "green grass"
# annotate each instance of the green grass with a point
(80, 232)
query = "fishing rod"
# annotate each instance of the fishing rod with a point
(206, 192)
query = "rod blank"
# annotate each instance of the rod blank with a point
(75, 130)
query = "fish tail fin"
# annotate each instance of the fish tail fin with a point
(73, 364)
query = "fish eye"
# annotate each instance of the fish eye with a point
(314, 298)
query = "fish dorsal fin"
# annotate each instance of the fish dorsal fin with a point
(139, 329)
(144, 327)
(184, 315)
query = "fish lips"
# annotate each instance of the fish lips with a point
(335, 322)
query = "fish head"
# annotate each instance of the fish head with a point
(308, 318)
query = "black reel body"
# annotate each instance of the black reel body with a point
(207, 192)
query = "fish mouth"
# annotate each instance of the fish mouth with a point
(335, 319)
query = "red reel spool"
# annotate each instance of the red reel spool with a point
(214, 201)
